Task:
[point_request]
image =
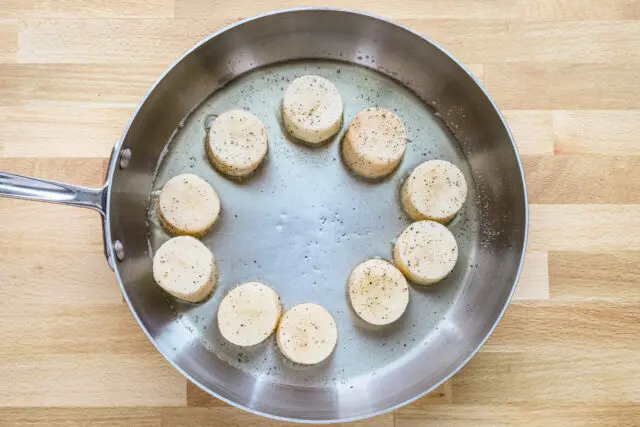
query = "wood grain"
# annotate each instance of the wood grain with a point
(446, 414)
(565, 73)
(532, 130)
(99, 379)
(411, 8)
(582, 179)
(587, 227)
(8, 40)
(86, 9)
(509, 415)
(587, 10)
(604, 132)
(89, 172)
(86, 84)
(54, 276)
(578, 326)
(65, 327)
(549, 377)
(155, 41)
(57, 228)
(81, 416)
(497, 41)
(41, 131)
(541, 86)
(473, 41)
(552, 10)
(597, 132)
(593, 276)
(534, 278)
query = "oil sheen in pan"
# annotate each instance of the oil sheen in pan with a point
(302, 222)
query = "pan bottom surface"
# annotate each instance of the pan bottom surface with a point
(303, 221)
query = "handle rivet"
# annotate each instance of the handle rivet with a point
(118, 247)
(125, 157)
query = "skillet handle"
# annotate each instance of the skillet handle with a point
(41, 190)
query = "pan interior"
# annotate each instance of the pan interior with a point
(302, 222)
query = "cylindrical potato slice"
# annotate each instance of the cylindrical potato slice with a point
(184, 267)
(425, 252)
(312, 109)
(237, 143)
(307, 334)
(435, 190)
(378, 291)
(188, 205)
(249, 313)
(374, 143)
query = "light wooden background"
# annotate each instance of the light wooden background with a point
(566, 74)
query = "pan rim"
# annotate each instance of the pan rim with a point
(114, 165)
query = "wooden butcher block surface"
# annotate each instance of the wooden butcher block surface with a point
(566, 74)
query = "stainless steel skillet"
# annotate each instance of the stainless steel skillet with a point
(303, 221)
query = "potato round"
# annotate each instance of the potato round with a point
(249, 313)
(312, 109)
(374, 143)
(435, 190)
(184, 267)
(378, 292)
(237, 143)
(307, 334)
(188, 205)
(425, 252)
